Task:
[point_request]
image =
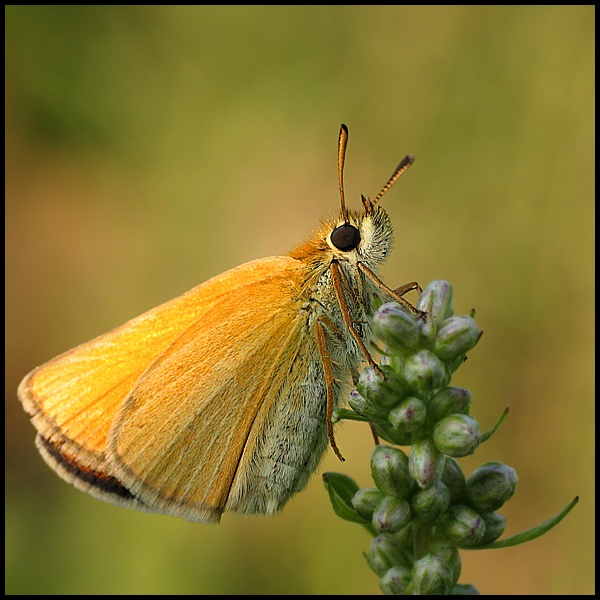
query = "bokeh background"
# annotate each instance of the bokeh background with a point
(149, 148)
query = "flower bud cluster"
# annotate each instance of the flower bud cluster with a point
(423, 508)
(410, 394)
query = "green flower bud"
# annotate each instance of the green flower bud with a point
(365, 501)
(464, 526)
(464, 589)
(386, 552)
(389, 469)
(357, 402)
(430, 504)
(365, 407)
(431, 576)
(396, 328)
(425, 372)
(425, 463)
(406, 537)
(408, 415)
(490, 486)
(457, 435)
(455, 337)
(386, 432)
(454, 479)
(380, 388)
(494, 527)
(428, 328)
(395, 581)
(391, 515)
(448, 401)
(436, 300)
(449, 555)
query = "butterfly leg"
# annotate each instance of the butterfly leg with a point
(397, 293)
(341, 298)
(329, 377)
(408, 287)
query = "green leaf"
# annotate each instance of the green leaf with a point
(341, 490)
(530, 534)
(488, 434)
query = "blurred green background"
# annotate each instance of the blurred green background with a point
(149, 148)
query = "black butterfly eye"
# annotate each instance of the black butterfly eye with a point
(345, 237)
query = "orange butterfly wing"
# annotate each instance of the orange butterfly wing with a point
(172, 357)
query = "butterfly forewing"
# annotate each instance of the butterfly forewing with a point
(187, 463)
(107, 386)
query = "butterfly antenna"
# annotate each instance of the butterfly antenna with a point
(342, 143)
(400, 170)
